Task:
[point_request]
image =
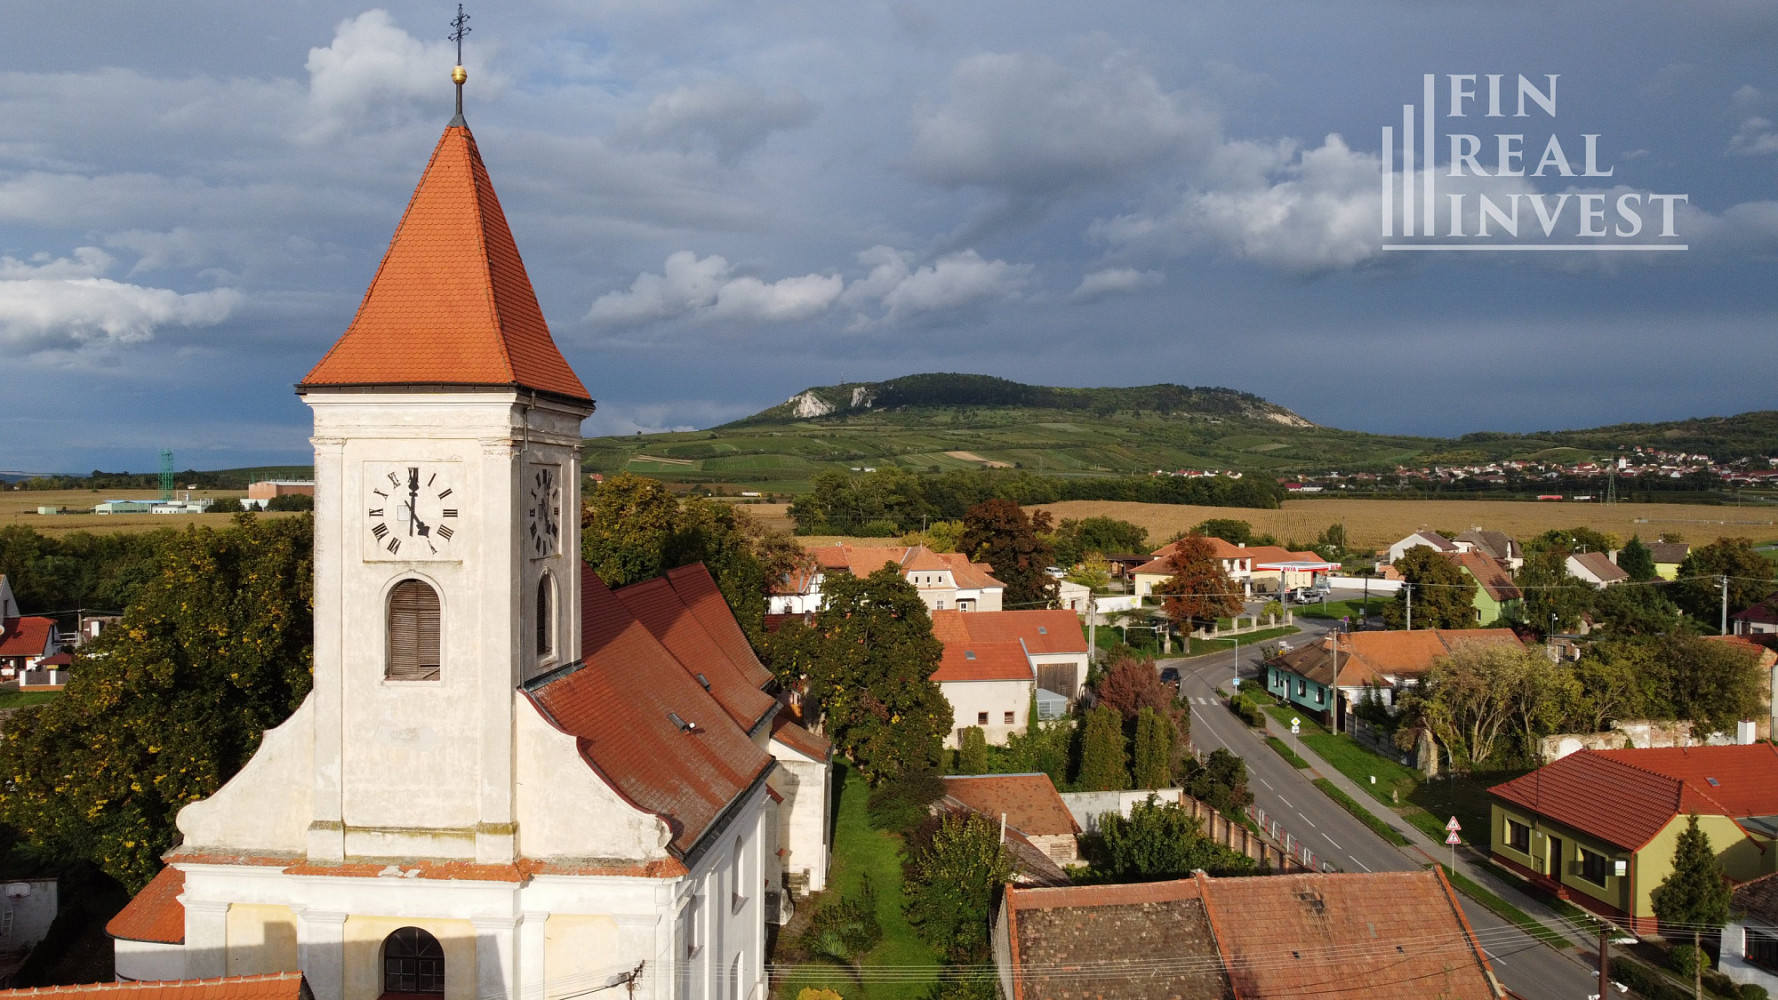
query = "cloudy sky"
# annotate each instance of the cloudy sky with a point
(722, 203)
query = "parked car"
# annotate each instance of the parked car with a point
(1170, 677)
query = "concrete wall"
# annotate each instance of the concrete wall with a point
(1734, 948)
(803, 817)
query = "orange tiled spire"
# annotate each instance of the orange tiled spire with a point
(451, 304)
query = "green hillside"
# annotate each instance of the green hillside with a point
(941, 422)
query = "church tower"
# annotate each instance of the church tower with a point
(447, 433)
(509, 780)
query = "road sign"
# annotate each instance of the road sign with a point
(1296, 726)
(1452, 838)
(1453, 825)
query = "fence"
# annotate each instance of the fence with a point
(1376, 584)
(1292, 855)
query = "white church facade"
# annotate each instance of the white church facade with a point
(509, 780)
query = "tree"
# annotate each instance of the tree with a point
(1220, 782)
(951, 882)
(1634, 610)
(1711, 684)
(1443, 595)
(847, 929)
(1152, 761)
(1075, 539)
(633, 529)
(1695, 894)
(1229, 529)
(1554, 600)
(1698, 588)
(972, 751)
(1470, 697)
(1199, 589)
(939, 536)
(1102, 766)
(1132, 684)
(865, 667)
(1331, 544)
(165, 707)
(1161, 841)
(1636, 559)
(1614, 685)
(1042, 747)
(1000, 534)
(1092, 572)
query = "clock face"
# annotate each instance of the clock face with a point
(543, 511)
(412, 510)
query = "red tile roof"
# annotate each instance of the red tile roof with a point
(657, 605)
(1489, 572)
(863, 560)
(1372, 657)
(27, 636)
(1029, 802)
(451, 303)
(271, 986)
(1043, 631)
(786, 731)
(1390, 935)
(697, 589)
(1626, 797)
(155, 914)
(984, 661)
(617, 704)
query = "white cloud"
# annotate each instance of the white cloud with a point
(951, 282)
(87, 262)
(734, 116)
(43, 314)
(1755, 137)
(1115, 281)
(691, 285)
(373, 72)
(1029, 125)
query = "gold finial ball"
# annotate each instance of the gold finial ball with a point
(458, 75)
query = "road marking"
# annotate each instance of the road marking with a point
(1285, 801)
(1311, 823)
(1502, 961)
(1334, 842)
(1357, 862)
(1267, 784)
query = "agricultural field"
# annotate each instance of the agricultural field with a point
(1376, 523)
(20, 507)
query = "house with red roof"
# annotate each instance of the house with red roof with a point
(1378, 935)
(994, 661)
(947, 581)
(1330, 676)
(25, 640)
(1599, 827)
(509, 779)
(1029, 805)
(1497, 596)
(1236, 561)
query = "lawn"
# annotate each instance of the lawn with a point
(1199, 647)
(1290, 756)
(1285, 713)
(1341, 609)
(13, 698)
(859, 850)
(1427, 804)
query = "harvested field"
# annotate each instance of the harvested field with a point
(1377, 523)
(20, 507)
(970, 456)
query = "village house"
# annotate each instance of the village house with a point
(946, 581)
(1381, 935)
(995, 660)
(1598, 827)
(1749, 953)
(1431, 539)
(1496, 545)
(1757, 619)
(1595, 568)
(1667, 557)
(1031, 809)
(1497, 597)
(25, 640)
(1329, 677)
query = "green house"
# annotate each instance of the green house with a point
(1598, 827)
(1496, 596)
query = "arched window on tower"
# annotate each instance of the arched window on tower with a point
(546, 616)
(413, 632)
(413, 963)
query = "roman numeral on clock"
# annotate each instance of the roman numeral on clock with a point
(445, 532)
(394, 546)
(379, 530)
(376, 512)
(450, 512)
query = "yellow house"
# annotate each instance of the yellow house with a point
(1598, 827)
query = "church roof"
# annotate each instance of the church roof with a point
(451, 304)
(269, 986)
(154, 914)
(645, 725)
(658, 606)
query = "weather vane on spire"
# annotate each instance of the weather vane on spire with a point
(459, 74)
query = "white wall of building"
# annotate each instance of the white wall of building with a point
(969, 699)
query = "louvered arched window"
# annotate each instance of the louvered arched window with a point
(413, 632)
(413, 963)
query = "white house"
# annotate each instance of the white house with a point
(1431, 539)
(25, 640)
(508, 780)
(1236, 560)
(1750, 941)
(946, 581)
(994, 660)
(1595, 568)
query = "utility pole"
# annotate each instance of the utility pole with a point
(1724, 628)
(1410, 589)
(1604, 960)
